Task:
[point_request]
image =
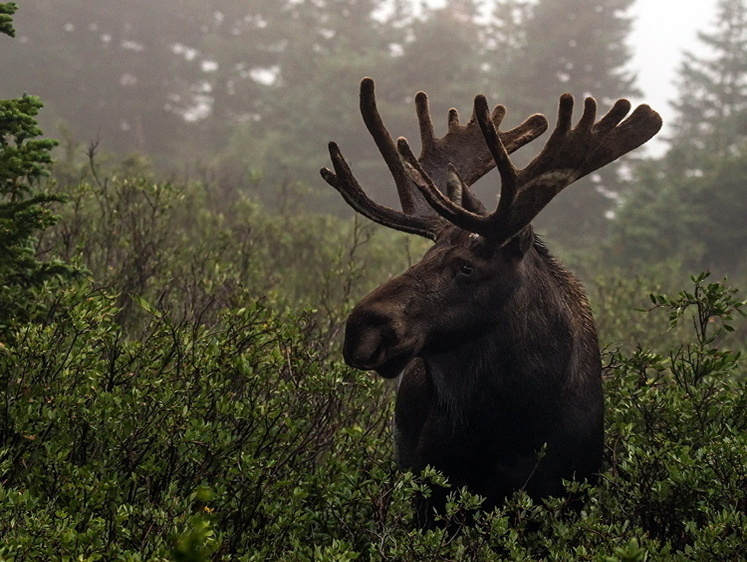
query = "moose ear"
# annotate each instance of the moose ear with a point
(521, 243)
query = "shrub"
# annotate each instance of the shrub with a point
(243, 440)
(192, 249)
(233, 435)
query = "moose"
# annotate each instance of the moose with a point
(493, 339)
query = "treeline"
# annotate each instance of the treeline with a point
(246, 94)
(250, 92)
(179, 79)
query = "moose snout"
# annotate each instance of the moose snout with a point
(381, 334)
(367, 337)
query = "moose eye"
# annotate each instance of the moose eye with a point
(466, 270)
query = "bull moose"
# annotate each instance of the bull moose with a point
(492, 338)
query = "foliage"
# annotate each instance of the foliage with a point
(7, 9)
(239, 87)
(677, 430)
(206, 413)
(577, 47)
(690, 204)
(219, 437)
(696, 220)
(184, 399)
(242, 441)
(195, 248)
(712, 107)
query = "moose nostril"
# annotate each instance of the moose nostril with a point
(364, 350)
(367, 337)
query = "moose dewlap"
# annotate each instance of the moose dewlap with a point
(493, 339)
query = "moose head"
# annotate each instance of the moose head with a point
(494, 340)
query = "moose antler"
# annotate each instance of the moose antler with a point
(569, 154)
(458, 159)
(468, 152)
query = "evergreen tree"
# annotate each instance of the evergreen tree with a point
(576, 46)
(693, 207)
(444, 56)
(24, 210)
(711, 120)
(124, 72)
(6, 18)
(321, 50)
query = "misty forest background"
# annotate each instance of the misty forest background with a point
(175, 278)
(245, 95)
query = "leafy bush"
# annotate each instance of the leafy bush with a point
(193, 247)
(242, 439)
(185, 402)
(114, 447)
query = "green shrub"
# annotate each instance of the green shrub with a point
(192, 248)
(243, 440)
(115, 447)
(187, 401)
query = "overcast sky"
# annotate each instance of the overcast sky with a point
(662, 30)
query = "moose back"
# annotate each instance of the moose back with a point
(493, 339)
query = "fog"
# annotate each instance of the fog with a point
(248, 94)
(662, 31)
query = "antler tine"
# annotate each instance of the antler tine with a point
(427, 136)
(409, 200)
(456, 190)
(346, 184)
(443, 205)
(500, 156)
(455, 161)
(642, 124)
(572, 153)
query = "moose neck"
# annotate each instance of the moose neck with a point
(459, 376)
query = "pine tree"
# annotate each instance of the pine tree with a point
(6, 18)
(711, 120)
(24, 210)
(576, 46)
(693, 206)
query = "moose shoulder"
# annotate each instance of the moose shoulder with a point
(495, 342)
